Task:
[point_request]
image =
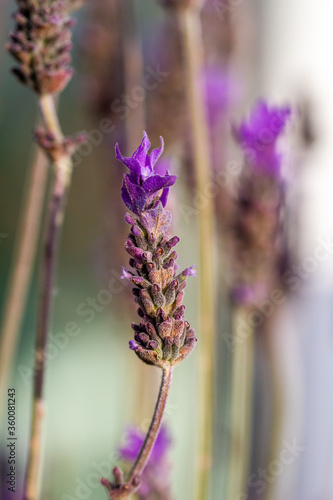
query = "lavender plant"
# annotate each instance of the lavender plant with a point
(256, 251)
(163, 338)
(41, 45)
(257, 224)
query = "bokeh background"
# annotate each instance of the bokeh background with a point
(279, 50)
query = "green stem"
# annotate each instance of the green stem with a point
(277, 402)
(190, 27)
(63, 169)
(241, 407)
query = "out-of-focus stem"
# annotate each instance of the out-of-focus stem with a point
(277, 401)
(241, 406)
(20, 275)
(190, 26)
(63, 169)
(133, 68)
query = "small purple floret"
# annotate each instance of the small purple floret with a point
(133, 345)
(126, 274)
(190, 271)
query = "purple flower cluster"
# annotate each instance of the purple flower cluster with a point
(258, 136)
(41, 43)
(141, 187)
(163, 336)
(154, 482)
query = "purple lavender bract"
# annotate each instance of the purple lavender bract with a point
(163, 336)
(259, 134)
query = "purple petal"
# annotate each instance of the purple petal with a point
(133, 196)
(142, 151)
(190, 271)
(126, 275)
(163, 166)
(133, 345)
(131, 163)
(164, 196)
(157, 182)
(156, 153)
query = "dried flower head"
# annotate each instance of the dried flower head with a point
(41, 43)
(163, 336)
(155, 479)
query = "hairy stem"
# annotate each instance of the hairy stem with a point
(189, 19)
(155, 425)
(241, 407)
(24, 256)
(52, 231)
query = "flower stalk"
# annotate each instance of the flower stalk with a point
(163, 338)
(155, 425)
(61, 183)
(24, 255)
(256, 254)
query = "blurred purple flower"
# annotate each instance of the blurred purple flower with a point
(248, 294)
(258, 136)
(155, 477)
(142, 188)
(217, 93)
(134, 442)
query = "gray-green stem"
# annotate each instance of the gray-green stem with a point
(63, 169)
(21, 267)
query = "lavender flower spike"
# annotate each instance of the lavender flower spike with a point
(163, 336)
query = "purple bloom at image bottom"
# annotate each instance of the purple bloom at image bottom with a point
(156, 473)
